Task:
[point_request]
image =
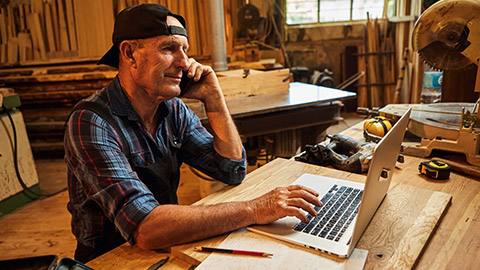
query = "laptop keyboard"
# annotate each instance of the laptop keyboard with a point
(340, 206)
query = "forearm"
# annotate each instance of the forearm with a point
(169, 225)
(226, 140)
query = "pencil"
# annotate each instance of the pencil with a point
(233, 251)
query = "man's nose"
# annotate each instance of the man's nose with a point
(182, 60)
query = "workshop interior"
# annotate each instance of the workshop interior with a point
(295, 74)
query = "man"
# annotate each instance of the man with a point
(123, 159)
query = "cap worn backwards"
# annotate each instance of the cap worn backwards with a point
(137, 22)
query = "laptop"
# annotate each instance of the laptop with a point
(347, 207)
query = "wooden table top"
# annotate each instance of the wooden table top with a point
(299, 95)
(453, 244)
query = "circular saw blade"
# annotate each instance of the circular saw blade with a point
(440, 56)
(446, 35)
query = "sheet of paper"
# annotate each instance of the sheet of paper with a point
(285, 256)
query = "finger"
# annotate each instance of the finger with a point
(311, 198)
(296, 212)
(198, 72)
(195, 70)
(303, 204)
(300, 187)
(191, 62)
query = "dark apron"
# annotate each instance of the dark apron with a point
(161, 178)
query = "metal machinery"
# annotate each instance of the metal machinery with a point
(447, 36)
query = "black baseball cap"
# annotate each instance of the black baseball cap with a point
(137, 22)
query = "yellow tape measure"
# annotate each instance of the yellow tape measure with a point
(435, 169)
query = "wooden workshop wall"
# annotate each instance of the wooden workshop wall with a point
(43, 31)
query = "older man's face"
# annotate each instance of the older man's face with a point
(160, 61)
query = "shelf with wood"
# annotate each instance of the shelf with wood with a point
(51, 31)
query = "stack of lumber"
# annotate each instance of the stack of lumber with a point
(48, 94)
(41, 30)
(49, 30)
(377, 58)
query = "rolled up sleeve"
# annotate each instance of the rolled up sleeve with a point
(198, 151)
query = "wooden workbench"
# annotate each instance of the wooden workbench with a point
(453, 244)
(301, 106)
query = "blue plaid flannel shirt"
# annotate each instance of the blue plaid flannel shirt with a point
(103, 187)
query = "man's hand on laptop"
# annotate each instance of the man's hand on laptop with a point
(285, 201)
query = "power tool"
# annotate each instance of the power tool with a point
(349, 154)
(341, 152)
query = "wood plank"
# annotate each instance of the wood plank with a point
(120, 6)
(62, 77)
(25, 47)
(108, 24)
(229, 34)
(12, 50)
(190, 15)
(417, 79)
(362, 94)
(254, 84)
(72, 35)
(3, 53)
(56, 26)
(39, 34)
(64, 41)
(174, 6)
(204, 27)
(21, 14)
(3, 26)
(11, 21)
(401, 243)
(33, 32)
(401, 76)
(82, 27)
(50, 70)
(49, 27)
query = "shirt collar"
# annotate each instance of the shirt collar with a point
(121, 106)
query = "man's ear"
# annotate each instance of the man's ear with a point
(127, 49)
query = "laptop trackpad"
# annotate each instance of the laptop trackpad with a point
(282, 226)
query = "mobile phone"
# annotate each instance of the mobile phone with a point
(184, 83)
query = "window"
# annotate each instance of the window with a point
(320, 11)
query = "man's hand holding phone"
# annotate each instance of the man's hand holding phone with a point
(199, 82)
